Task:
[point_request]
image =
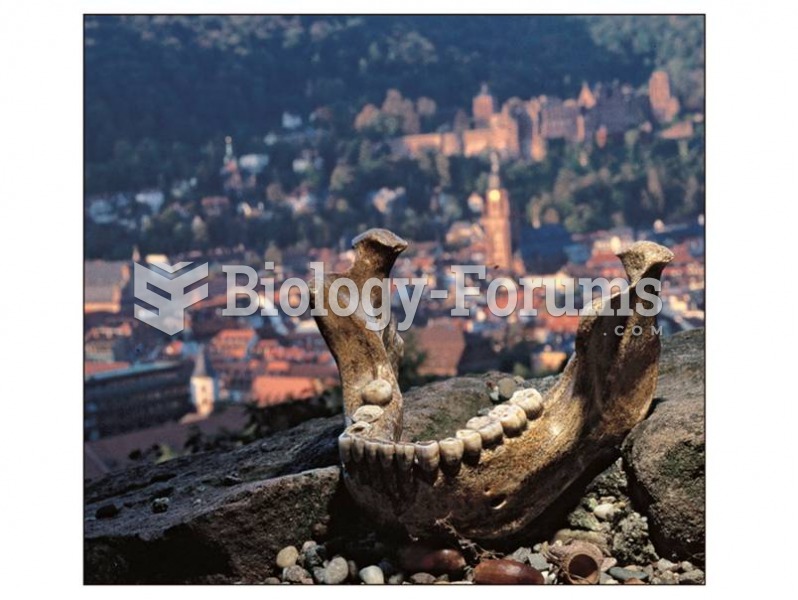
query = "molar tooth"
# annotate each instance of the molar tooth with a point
(367, 414)
(512, 418)
(489, 428)
(377, 392)
(428, 455)
(451, 451)
(385, 452)
(472, 441)
(404, 455)
(530, 401)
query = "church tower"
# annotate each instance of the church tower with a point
(496, 221)
(204, 389)
(483, 107)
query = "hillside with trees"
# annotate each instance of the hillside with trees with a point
(162, 93)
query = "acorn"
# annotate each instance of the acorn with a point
(506, 572)
(420, 558)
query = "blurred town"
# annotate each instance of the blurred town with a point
(226, 380)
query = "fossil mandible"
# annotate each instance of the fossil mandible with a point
(499, 472)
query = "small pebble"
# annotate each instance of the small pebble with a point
(396, 579)
(608, 563)
(605, 579)
(272, 581)
(336, 571)
(353, 570)
(422, 578)
(663, 564)
(666, 578)
(538, 561)
(313, 556)
(605, 512)
(160, 505)
(694, 577)
(622, 574)
(686, 566)
(296, 574)
(521, 555)
(287, 557)
(372, 575)
(633, 581)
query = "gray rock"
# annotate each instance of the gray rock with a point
(296, 574)
(336, 571)
(606, 579)
(663, 564)
(313, 555)
(521, 555)
(538, 561)
(289, 483)
(396, 579)
(287, 557)
(235, 534)
(694, 577)
(372, 575)
(272, 581)
(665, 578)
(422, 578)
(686, 566)
(622, 574)
(665, 457)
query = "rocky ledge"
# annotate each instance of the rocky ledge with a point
(276, 511)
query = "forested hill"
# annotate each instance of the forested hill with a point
(182, 81)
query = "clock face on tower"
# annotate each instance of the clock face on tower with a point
(494, 195)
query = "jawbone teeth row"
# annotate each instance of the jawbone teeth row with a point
(480, 433)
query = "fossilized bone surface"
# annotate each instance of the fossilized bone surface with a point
(500, 471)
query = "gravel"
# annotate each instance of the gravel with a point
(336, 571)
(287, 557)
(372, 575)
